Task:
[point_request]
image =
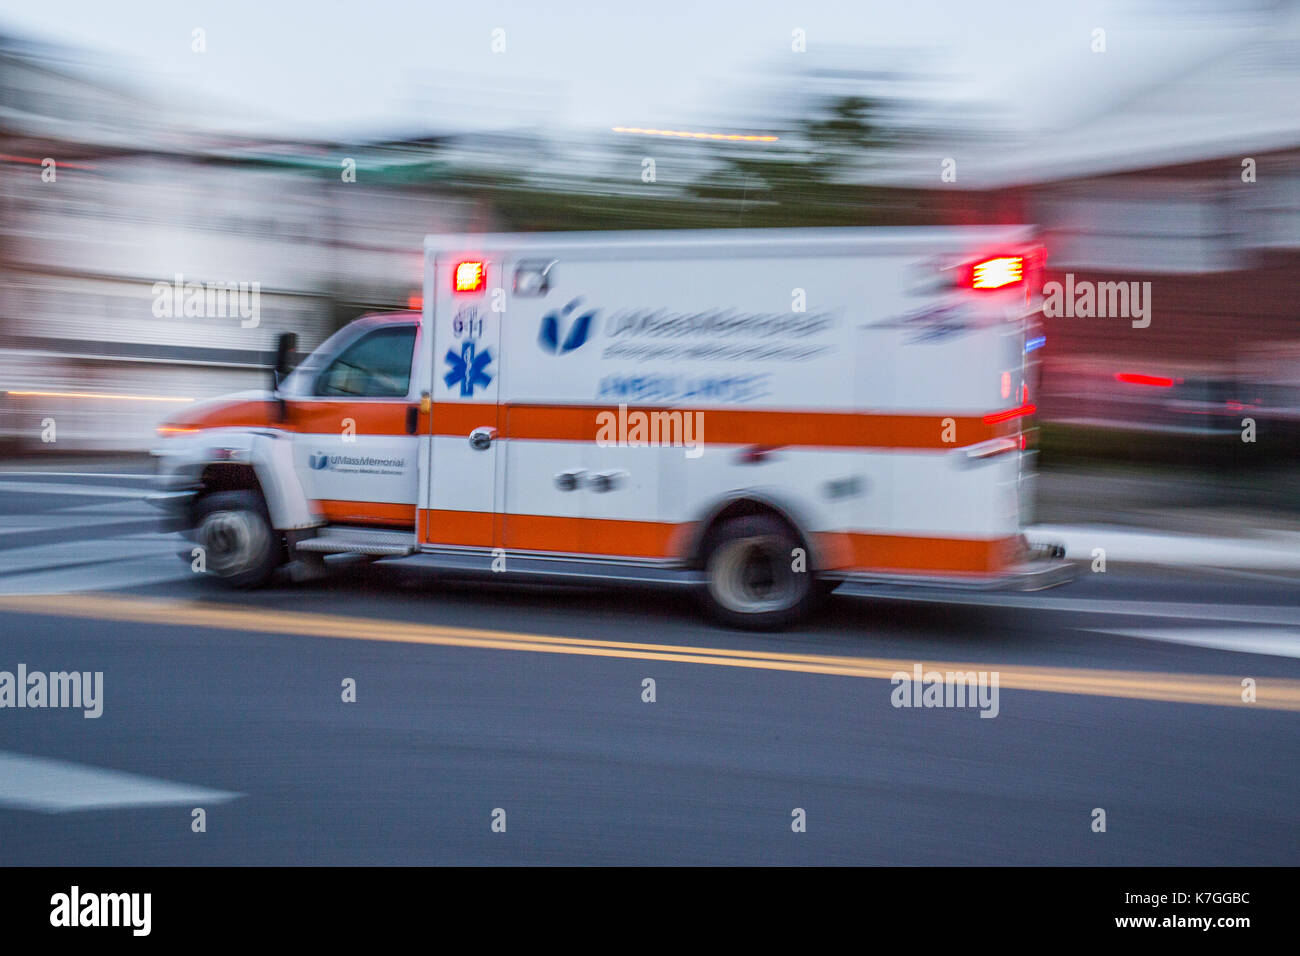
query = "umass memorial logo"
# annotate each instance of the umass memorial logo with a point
(553, 336)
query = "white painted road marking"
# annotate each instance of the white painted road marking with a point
(1174, 610)
(1274, 551)
(92, 565)
(84, 491)
(58, 786)
(1274, 643)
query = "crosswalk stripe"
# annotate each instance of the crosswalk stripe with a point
(59, 786)
(1274, 643)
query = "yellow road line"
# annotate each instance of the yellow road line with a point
(1218, 690)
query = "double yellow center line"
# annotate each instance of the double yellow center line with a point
(1218, 690)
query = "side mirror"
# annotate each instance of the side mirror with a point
(285, 346)
(284, 349)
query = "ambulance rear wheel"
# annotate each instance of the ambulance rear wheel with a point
(752, 581)
(240, 548)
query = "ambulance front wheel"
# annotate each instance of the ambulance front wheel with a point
(756, 575)
(240, 548)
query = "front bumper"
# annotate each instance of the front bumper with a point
(174, 491)
(175, 508)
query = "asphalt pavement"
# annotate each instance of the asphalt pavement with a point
(498, 723)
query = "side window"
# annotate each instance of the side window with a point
(377, 365)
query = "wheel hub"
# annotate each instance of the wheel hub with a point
(232, 540)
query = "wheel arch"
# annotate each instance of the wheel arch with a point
(218, 476)
(743, 504)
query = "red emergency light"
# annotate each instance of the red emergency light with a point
(469, 276)
(996, 273)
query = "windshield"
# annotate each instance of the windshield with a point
(301, 379)
(377, 365)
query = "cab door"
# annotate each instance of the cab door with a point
(355, 428)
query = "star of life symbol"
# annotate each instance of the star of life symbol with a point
(468, 369)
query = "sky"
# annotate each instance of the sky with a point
(330, 67)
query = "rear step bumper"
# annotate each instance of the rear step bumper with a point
(1035, 576)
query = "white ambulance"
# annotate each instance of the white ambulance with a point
(760, 415)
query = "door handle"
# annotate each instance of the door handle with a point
(412, 418)
(569, 480)
(481, 438)
(604, 481)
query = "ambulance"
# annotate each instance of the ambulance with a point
(761, 416)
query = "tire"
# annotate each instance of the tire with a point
(750, 583)
(241, 548)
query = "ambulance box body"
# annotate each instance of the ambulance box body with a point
(768, 414)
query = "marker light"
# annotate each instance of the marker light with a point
(1009, 414)
(470, 277)
(1133, 378)
(997, 273)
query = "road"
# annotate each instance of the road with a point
(1120, 692)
